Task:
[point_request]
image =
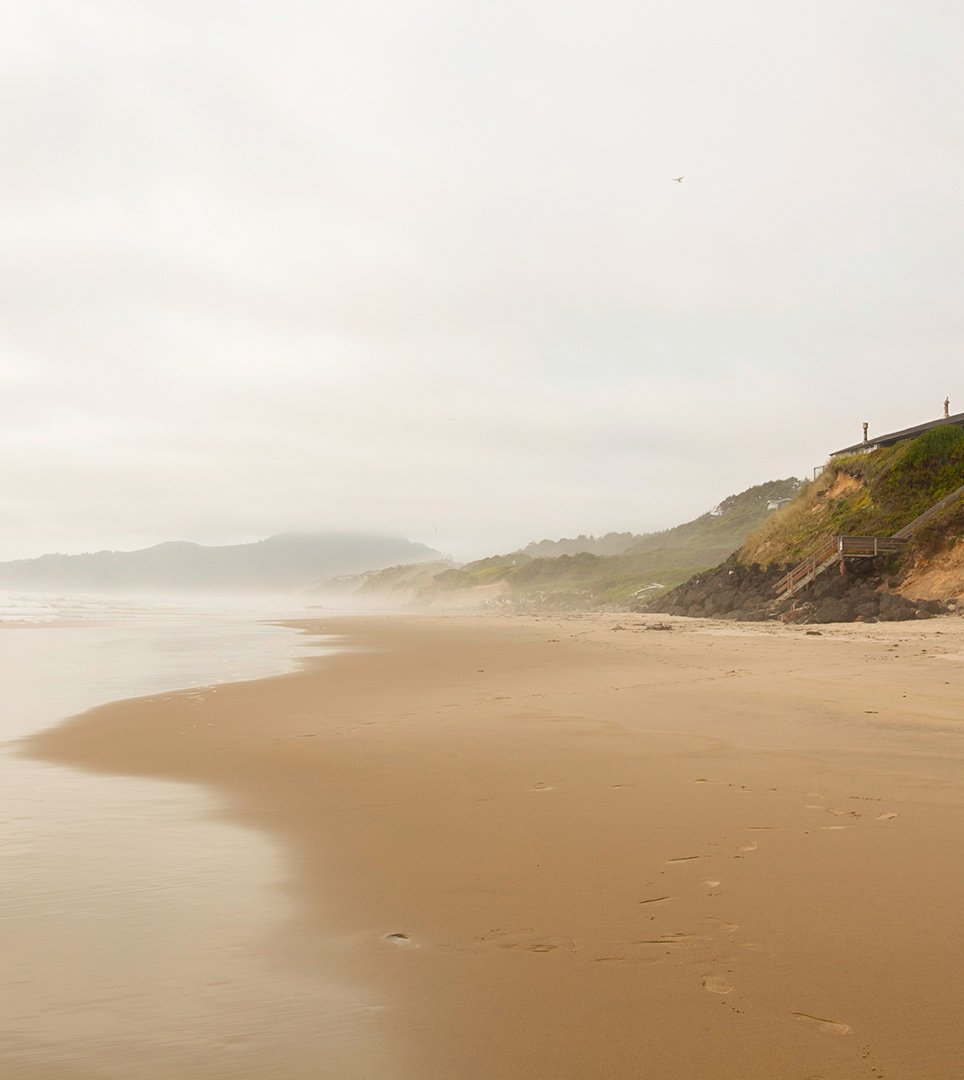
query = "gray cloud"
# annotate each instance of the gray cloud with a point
(419, 266)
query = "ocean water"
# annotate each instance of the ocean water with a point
(62, 655)
(137, 921)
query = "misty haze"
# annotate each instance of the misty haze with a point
(481, 540)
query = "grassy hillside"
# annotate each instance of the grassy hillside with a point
(585, 580)
(724, 528)
(610, 544)
(404, 581)
(564, 581)
(872, 494)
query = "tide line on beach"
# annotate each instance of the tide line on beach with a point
(570, 847)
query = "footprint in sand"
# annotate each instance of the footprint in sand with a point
(716, 984)
(672, 939)
(887, 817)
(537, 944)
(834, 1026)
(757, 947)
(624, 960)
(728, 927)
(522, 940)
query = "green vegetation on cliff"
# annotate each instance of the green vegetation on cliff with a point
(585, 580)
(872, 494)
(866, 494)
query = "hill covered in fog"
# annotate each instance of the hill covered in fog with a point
(283, 562)
(610, 544)
(573, 574)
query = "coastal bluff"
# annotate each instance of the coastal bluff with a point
(905, 501)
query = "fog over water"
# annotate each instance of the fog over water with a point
(423, 268)
(471, 274)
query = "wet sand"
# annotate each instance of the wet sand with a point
(580, 847)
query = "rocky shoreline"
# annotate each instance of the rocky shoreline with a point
(747, 594)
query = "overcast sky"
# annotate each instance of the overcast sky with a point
(421, 266)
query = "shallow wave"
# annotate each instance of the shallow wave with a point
(19, 607)
(43, 607)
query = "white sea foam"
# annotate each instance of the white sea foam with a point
(22, 606)
(63, 654)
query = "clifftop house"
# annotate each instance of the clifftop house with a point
(906, 433)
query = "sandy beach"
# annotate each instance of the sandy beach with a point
(578, 847)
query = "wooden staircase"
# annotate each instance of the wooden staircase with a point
(931, 512)
(836, 549)
(825, 556)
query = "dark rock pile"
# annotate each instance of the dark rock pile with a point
(747, 594)
(731, 591)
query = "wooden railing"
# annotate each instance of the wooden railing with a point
(807, 569)
(930, 512)
(869, 547)
(837, 548)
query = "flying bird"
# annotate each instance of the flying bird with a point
(678, 179)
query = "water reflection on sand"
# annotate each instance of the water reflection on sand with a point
(137, 925)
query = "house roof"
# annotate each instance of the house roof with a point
(896, 436)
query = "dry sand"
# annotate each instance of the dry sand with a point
(586, 847)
